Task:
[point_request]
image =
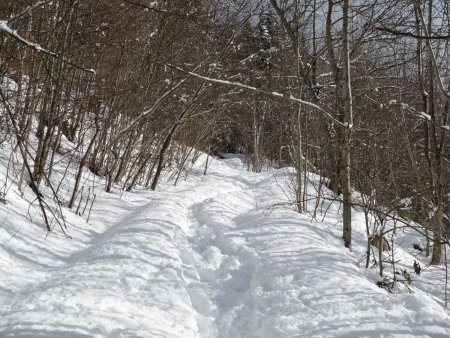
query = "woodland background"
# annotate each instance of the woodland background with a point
(356, 92)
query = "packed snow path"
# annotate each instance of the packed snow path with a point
(212, 257)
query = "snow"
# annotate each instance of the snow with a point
(348, 125)
(216, 256)
(424, 116)
(5, 27)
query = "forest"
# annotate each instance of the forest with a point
(357, 92)
(224, 168)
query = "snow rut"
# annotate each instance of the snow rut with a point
(218, 266)
(110, 287)
(159, 264)
(202, 260)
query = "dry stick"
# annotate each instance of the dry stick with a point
(66, 170)
(87, 201)
(329, 206)
(392, 251)
(81, 199)
(34, 188)
(55, 197)
(90, 209)
(5, 185)
(83, 161)
(318, 196)
(25, 161)
(388, 214)
(93, 199)
(58, 204)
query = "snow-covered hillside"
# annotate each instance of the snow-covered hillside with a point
(219, 255)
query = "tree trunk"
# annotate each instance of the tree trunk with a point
(348, 120)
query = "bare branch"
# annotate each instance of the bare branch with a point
(151, 110)
(5, 27)
(260, 91)
(157, 10)
(431, 52)
(28, 10)
(412, 35)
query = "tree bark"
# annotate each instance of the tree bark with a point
(348, 121)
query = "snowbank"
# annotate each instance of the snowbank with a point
(211, 257)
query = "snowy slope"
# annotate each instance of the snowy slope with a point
(212, 257)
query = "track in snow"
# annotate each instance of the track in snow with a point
(209, 258)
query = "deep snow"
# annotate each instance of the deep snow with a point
(219, 255)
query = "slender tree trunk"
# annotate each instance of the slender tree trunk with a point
(256, 140)
(161, 155)
(348, 119)
(83, 161)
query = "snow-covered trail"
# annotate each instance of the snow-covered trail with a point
(209, 258)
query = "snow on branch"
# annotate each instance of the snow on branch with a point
(260, 91)
(152, 109)
(421, 115)
(28, 10)
(153, 7)
(5, 27)
(149, 111)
